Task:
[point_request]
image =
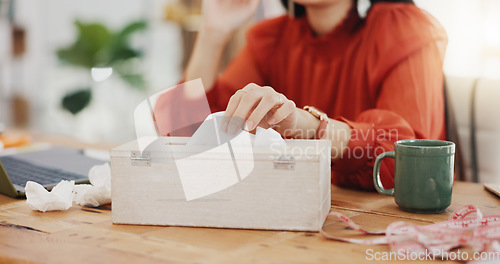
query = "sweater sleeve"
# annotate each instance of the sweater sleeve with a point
(408, 91)
(410, 105)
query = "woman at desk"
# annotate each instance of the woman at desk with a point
(378, 79)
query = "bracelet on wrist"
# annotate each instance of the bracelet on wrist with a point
(323, 120)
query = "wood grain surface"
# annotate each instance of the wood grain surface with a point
(86, 235)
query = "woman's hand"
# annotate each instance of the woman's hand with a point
(227, 15)
(221, 18)
(262, 106)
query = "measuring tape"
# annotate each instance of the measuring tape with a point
(481, 233)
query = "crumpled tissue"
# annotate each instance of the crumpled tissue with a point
(65, 192)
(211, 134)
(60, 198)
(99, 191)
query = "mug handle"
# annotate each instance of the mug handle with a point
(376, 173)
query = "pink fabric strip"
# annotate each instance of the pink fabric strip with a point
(481, 233)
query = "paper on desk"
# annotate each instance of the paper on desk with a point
(65, 192)
(60, 198)
(211, 134)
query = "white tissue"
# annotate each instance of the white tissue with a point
(211, 134)
(65, 192)
(267, 137)
(99, 191)
(60, 198)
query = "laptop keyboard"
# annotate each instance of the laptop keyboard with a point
(21, 171)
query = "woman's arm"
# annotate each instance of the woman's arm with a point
(206, 57)
(221, 18)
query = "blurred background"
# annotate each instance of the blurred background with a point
(80, 67)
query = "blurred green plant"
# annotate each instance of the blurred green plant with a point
(96, 46)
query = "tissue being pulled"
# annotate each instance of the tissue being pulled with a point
(64, 193)
(211, 134)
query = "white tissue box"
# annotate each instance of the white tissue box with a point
(278, 188)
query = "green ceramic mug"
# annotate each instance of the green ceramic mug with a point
(423, 174)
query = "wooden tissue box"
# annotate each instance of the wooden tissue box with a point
(287, 188)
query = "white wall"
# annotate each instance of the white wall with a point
(473, 28)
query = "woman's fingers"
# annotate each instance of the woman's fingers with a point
(228, 15)
(249, 107)
(268, 102)
(238, 108)
(282, 112)
(247, 103)
(234, 101)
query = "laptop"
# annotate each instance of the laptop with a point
(46, 167)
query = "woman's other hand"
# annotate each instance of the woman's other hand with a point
(227, 15)
(221, 18)
(262, 106)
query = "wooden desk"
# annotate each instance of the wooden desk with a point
(86, 235)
